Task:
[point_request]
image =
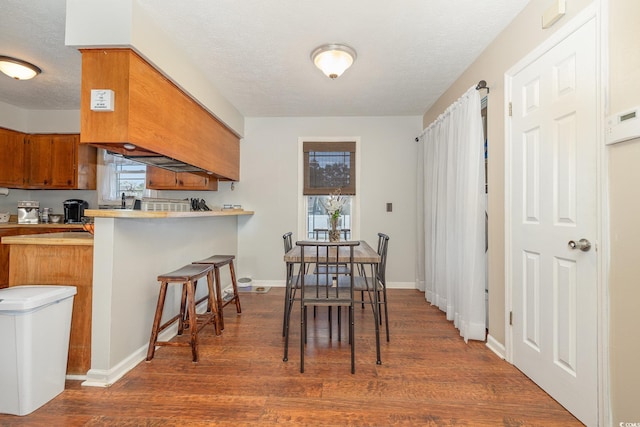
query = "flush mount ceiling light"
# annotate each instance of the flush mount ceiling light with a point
(333, 59)
(17, 68)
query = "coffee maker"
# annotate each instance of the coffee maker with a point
(74, 210)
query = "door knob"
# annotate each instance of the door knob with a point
(583, 244)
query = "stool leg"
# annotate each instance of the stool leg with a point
(219, 298)
(235, 287)
(156, 321)
(212, 304)
(184, 316)
(193, 321)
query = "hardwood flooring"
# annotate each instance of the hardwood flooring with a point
(428, 377)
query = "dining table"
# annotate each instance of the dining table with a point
(364, 256)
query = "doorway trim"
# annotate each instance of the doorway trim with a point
(597, 10)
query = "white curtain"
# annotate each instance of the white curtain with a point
(451, 266)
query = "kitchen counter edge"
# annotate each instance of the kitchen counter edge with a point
(130, 213)
(72, 238)
(13, 224)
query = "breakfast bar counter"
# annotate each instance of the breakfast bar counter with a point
(131, 249)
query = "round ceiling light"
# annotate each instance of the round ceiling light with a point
(17, 68)
(333, 59)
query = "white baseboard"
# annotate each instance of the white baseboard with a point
(281, 284)
(497, 347)
(106, 377)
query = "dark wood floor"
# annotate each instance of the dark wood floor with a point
(429, 377)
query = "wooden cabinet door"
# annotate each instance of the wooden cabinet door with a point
(38, 160)
(190, 181)
(161, 179)
(63, 161)
(4, 256)
(12, 147)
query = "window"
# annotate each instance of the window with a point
(317, 217)
(119, 176)
(327, 167)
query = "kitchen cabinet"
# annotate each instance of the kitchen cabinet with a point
(17, 231)
(58, 162)
(12, 159)
(163, 179)
(60, 259)
(47, 161)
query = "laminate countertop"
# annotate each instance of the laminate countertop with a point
(14, 224)
(70, 238)
(130, 213)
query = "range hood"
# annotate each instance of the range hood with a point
(164, 162)
(151, 120)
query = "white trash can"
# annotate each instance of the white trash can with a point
(35, 323)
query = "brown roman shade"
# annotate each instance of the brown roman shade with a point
(328, 166)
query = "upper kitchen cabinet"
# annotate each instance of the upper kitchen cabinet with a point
(137, 112)
(46, 162)
(162, 179)
(12, 159)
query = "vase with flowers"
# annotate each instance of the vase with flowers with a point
(333, 206)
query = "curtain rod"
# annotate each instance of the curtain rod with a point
(482, 84)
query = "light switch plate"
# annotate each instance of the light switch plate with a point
(102, 100)
(555, 12)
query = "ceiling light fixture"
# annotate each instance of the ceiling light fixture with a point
(17, 68)
(333, 59)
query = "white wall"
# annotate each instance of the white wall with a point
(268, 185)
(39, 121)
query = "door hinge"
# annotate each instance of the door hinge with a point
(510, 318)
(510, 109)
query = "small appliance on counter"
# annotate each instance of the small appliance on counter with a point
(28, 212)
(74, 210)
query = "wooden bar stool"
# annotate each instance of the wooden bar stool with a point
(218, 261)
(188, 276)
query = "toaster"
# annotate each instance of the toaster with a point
(28, 212)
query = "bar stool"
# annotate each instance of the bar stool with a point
(188, 276)
(218, 261)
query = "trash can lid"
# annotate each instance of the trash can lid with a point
(27, 297)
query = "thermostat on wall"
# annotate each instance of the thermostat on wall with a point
(102, 100)
(623, 126)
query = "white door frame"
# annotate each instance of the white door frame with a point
(598, 10)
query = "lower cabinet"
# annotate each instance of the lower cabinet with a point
(162, 179)
(70, 265)
(17, 231)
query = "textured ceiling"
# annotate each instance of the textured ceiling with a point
(256, 52)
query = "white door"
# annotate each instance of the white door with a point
(553, 201)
